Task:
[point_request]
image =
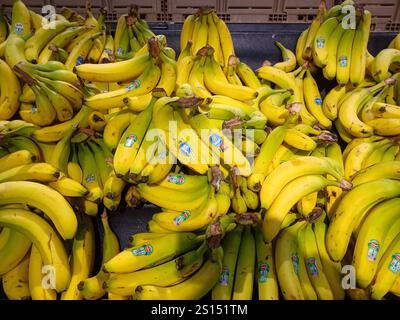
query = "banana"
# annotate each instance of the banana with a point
(187, 31)
(305, 281)
(312, 31)
(20, 19)
(289, 196)
(164, 275)
(61, 152)
(23, 143)
(371, 238)
(358, 157)
(13, 250)
(314, 265)
(314, 101)
(161, 196)
(44, 238)
(352, 209)
(69, 187)
(68, 90)
(378, 154)
(385, 127)
(381, 63)
(184, 68)
(113, 187)
(299, 140)
(154, 251)
(331, 100)
(344, 51)
(146, 82)
(244, 275)
(35, 278)
(91, 176)
(221, 145)
(219, 85)
(60, 41)
(130, 141)
(196, 79)
(320, 44)
(289, 59)
(287, 263)
(92, 288)
(300, 44)
(80, 52)
(115, 127)
(303, 115)
(388, 270)
(10, 90)
(331, 269)
(103, 158)
(44, 199)
(231, 244)
(15, 281)
(358, 57)
(387, 170)
(330, 69)
(395, 289)
(193, 288)
(36, 43)
(81, 261)
(4, 27)
(213, 39)
(114, 71)
(280, 78)
(189, 220)
(202, 34)
(351, 106)
(106, 55)
(16, 159)
(267, 152)
(333, 194)
(250, 197)
(40, 172)
(225, 38)
(266, 273)
(168, 74)
(248, 77)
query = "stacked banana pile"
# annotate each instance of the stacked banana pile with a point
(257, 196)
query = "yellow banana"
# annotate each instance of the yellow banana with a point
(45, 239)
(16, 281)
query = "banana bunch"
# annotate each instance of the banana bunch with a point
(207, 77)
(154, 68)
(305, 271)
(247, 261)
(201, 203)
(335, 46)
(360, 214)
(52, 92)
(131, 34)
(206, 28)
(295, 181)
(358, 112)
(168, 266)
(363, 153)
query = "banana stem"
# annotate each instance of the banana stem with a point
(345, 185)
(249, 218)
(214, 235)
(216, 179)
